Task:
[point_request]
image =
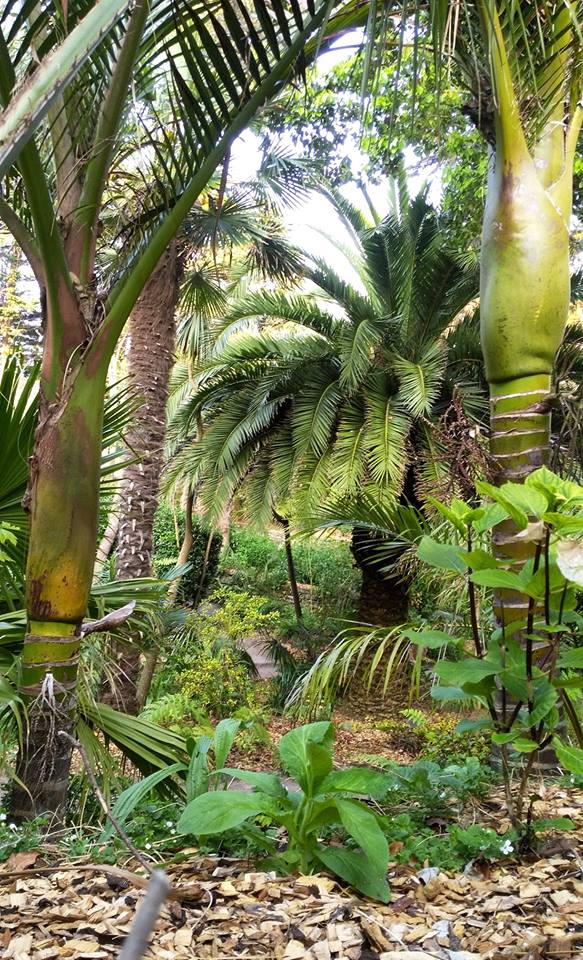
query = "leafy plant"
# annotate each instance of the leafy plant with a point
(217, 682)
(426, 789)
(326, 798)
(530, 666)
(166, 548)
(440, 739)
(196, 774)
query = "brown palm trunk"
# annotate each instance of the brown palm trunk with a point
(151, 331)
(384, 599)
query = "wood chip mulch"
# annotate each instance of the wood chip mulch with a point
(228, 910)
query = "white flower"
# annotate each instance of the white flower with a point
(506, 847)
(13, 826)
(442, 795)
(3, 816)
(169, 823)
(148, 846)
(173, 832)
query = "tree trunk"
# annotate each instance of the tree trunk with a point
(63, 498)
(524, 295)
(108, 539)
(185, 546)
(151, 332)
(384, 599)
(291, 568)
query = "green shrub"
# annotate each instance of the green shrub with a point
(217, 682)
(166, 551)
(441, 741)
(328, 566)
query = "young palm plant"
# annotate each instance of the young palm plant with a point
(215, 65)
(329, 394)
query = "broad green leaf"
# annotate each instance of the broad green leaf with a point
(222, 810)
(449, 694)
(524, 745)
(355, 869)
(467, 726)
(493, 514)
(362, 825)
(457, 512)
(225, 733)
(571, 659)
(553, 823)
(432, 639)
(197, 778)
(542, 707)
(571, 758)
(306, 753)
(505, 737)
(461, 672)
(369, 783)
(498, 579)
(445, 556)
(480, 560)
(513, 510)
(527, 498)
(268, 783)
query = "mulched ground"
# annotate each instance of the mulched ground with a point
(228, 910)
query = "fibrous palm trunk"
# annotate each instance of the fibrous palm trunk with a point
(384, 599)
(151, 353)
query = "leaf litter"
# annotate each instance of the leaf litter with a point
(229, 910)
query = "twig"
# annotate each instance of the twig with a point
(104, 805)
(136, 942)
(187, 893)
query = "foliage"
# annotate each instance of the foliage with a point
(15, 838)
(374, 657)
(207, 756)
(427, 789)
(543, 672)
(327, 566)
(325, 798)
(217, 682)
(167, 526)
(441, 741)
(324, 122)
(179, 712)
(331, 396)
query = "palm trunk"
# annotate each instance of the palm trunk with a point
(151, 331)
(524, 294)
(384, 599)
(108, 539)
(291, 567)
(524, 288)
(63, 499)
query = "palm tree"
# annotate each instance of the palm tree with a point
(53, 200)
(332, 397)
(523, 62)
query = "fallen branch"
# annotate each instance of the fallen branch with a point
(110, 621)
(189, 893)
(136, 942)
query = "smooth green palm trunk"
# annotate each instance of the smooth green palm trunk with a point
(64, 504)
